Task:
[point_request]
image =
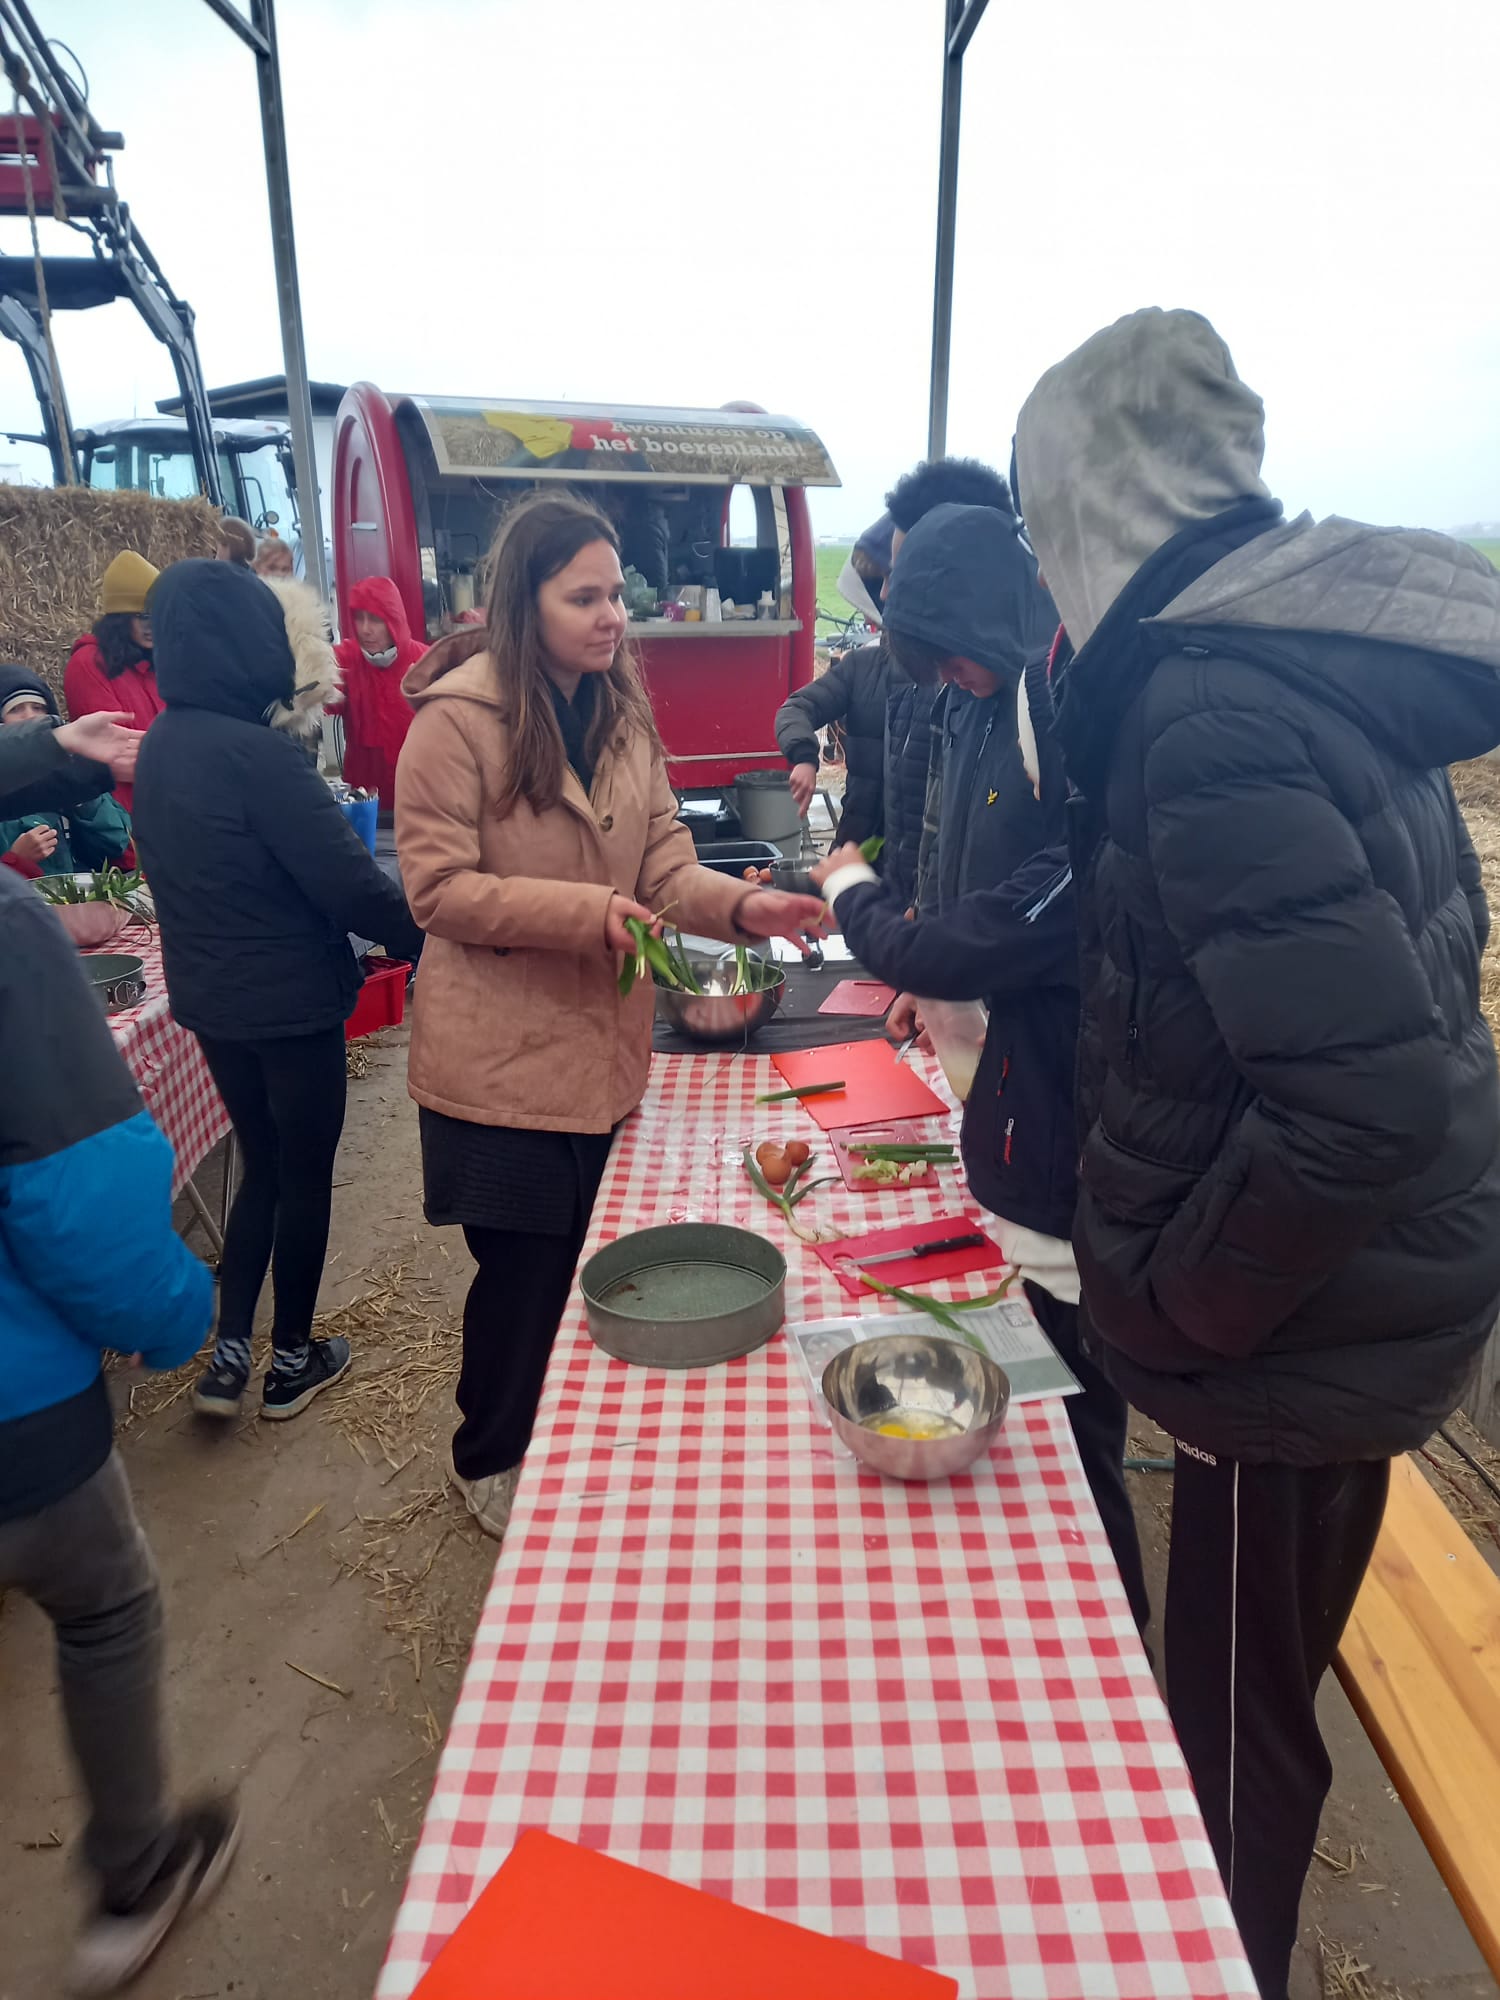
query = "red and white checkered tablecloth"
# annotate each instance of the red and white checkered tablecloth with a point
(169, 1069)
(913, 1716)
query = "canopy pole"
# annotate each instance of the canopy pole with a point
(288, 298)
(960, 19)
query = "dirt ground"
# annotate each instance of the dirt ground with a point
(322, 1586)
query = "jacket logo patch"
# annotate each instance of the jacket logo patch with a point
(992, 798)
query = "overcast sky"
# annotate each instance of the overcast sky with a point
(684, 201)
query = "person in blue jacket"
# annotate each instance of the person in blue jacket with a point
(1013, 943)
(90, 1263)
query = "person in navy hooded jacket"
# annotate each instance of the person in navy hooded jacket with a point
(89, 1263)
(964, 607)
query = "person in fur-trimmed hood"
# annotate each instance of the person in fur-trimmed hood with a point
(258, 880)
(1288, 1224)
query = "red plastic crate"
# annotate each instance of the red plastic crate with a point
(381, 1002)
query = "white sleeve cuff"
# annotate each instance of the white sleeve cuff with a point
(847, 878)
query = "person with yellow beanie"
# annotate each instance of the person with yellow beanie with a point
(110, 669)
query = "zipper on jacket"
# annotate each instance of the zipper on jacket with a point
(1010, 1133)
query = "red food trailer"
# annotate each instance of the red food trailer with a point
(419, 481)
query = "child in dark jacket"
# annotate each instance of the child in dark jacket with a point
(76, 1145)
(88, 834)
(1015, 946)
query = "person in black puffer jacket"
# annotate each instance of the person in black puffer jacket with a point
(1289, 1218)
(258, 880)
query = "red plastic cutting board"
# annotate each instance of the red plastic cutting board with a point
(859, 996)
(911, 1270)
(559, 1922)
(877, 1089)
(842, 1137)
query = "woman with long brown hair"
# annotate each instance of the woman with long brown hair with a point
(533, 818)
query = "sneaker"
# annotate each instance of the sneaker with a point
(289, 1395)
(488, 1499)
(116, 1944)
(219, 1390)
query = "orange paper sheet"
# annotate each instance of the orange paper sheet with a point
(559, 1922)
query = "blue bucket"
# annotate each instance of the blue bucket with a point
(360, 814)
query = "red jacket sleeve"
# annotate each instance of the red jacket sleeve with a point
(86, 687)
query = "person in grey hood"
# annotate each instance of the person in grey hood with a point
(1288, 1226)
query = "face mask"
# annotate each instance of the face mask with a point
(385, 659)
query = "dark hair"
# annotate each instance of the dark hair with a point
(118, 648)
(537, 537)
(961, 482)
(918, 659)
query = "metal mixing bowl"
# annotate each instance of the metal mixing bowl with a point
(929, 1376)
(717, 1019)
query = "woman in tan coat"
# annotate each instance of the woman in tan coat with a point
(533, 817)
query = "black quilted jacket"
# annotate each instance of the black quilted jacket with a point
(1289, 1220)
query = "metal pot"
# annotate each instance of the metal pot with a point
(118, 977)
(766, 808)
(718, 1019)
(685, 1295)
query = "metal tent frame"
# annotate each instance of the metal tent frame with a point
(960, 19)
(258, 33)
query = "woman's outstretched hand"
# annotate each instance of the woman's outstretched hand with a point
(769, 913)
(616, 937)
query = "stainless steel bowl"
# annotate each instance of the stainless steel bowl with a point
(919, 1378)
(717, 1019)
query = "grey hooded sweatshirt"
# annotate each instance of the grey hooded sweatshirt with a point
(1288, 1227)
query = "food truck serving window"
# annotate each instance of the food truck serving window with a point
(574, 440)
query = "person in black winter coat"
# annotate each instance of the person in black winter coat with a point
(853, 692)
(258, 880)
(909, 743)
(1007, 936)
(1288, 1225)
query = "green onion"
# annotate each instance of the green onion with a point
(869, 850)
(942, 1311)
(802, 1090)
(901, 1153)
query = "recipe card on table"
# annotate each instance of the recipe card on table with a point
(1007, 1333)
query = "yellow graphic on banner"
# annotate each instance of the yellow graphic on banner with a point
(543, 437)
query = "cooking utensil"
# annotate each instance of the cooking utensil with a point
(912, 1381)
(876, 1089)
(845, 1141)
(908, 1045)
(859, 996)
(118, 977)
(847, 1256)
(717, 1019)
(686, 1295)
(935, 1249)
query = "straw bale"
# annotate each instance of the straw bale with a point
(55, 544)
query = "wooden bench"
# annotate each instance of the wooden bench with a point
(1420, 1661)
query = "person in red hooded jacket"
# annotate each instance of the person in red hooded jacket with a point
(376, 713)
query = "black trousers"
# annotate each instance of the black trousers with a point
(1100, 1418)
(285, 1099)
(1266, 1563)
(511, 1316)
